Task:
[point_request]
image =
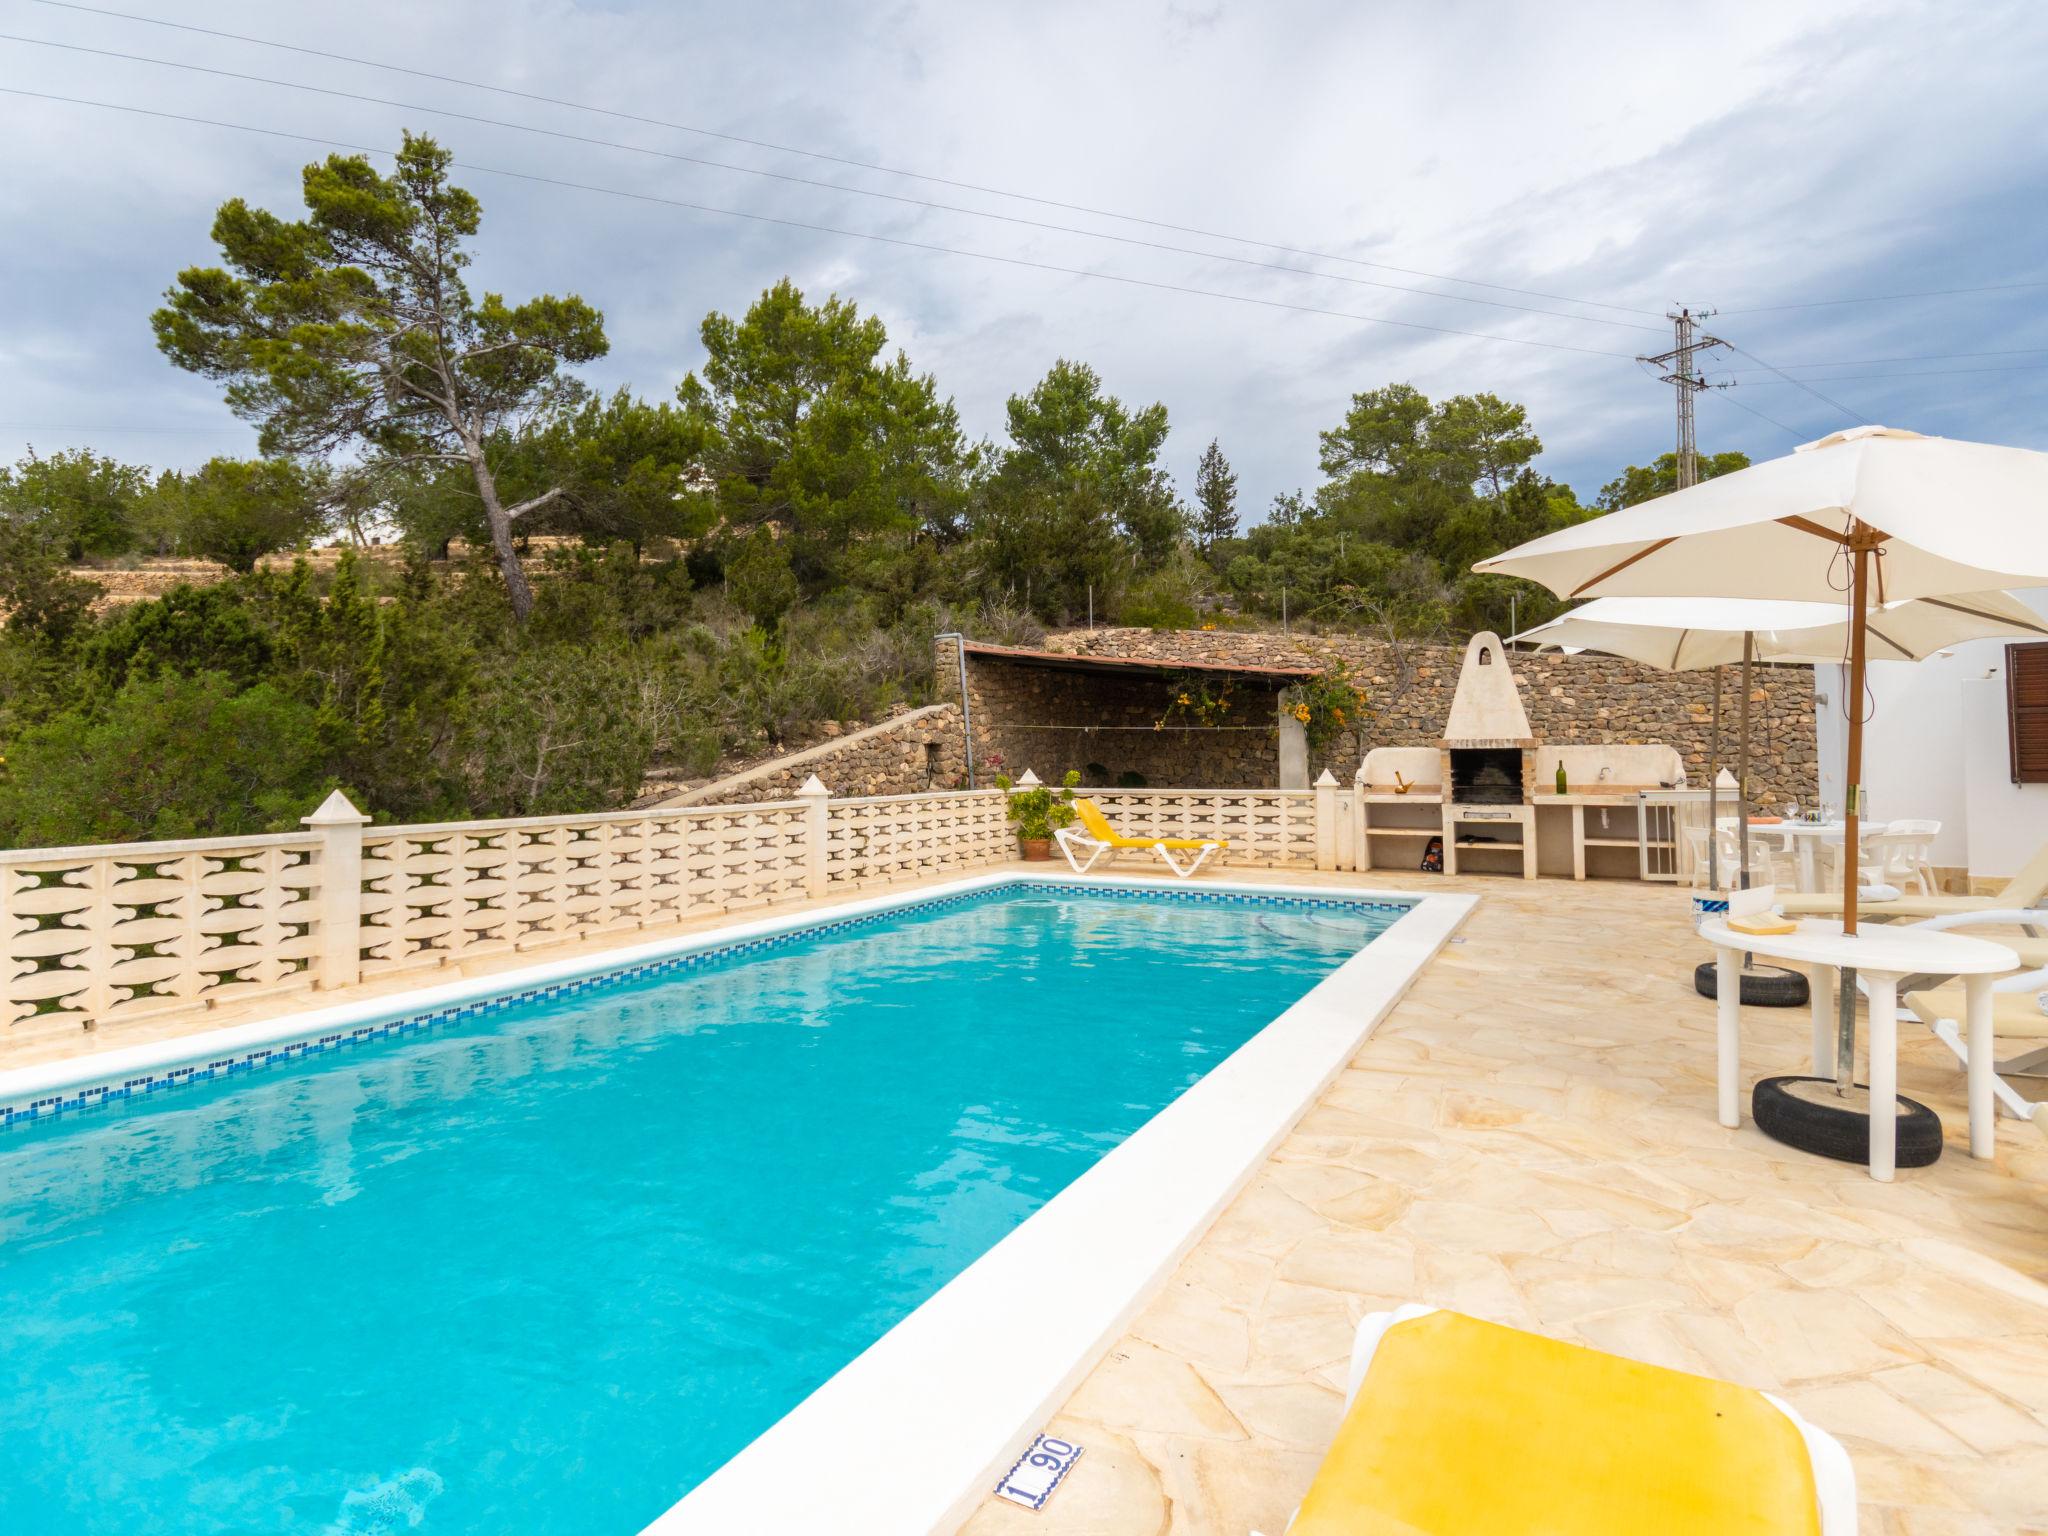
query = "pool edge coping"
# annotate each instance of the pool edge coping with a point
(299, 1033)
(901, 1438)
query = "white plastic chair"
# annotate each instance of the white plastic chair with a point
(1771, 859)
(1696, 853)
(1903, 854)
(1828, 871)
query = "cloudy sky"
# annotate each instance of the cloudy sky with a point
(1598, 163)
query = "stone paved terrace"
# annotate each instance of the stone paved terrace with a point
(1530, 1137)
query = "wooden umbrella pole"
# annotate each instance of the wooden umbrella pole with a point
(1742, 760)
(1859, 625)
(1845, 1020)
(1714, 793)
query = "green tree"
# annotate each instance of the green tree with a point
(1216, 497)
(1422, 476)
(1416, 492)
(610, 595)
(1401, 468)
(391, 683)
(1481, 441)
(806, 428)
(1383, 433)
(84, 503)
(1067, 433)
(237, 511)
(1080, 499)
(354, 328)
(1385, 480)
(628, 469)
(1638, 483)
(1289, 508)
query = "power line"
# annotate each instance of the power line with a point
(828, 229)
(864, 165)
(805, 181)
(1868, 298)
(1855, 417)
(1722, 394)
(1924, 357)
(1914, 373)
(46, 426)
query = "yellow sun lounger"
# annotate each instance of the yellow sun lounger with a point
(1458, 1427)
(2017, 1012)
(2028, 888)
(1098, 839)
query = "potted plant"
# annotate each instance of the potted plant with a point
(1039, 810)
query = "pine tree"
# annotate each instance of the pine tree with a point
(1216, 498)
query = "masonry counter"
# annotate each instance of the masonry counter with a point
(1620, 832)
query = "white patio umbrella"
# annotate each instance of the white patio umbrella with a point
(1684, 634)
(1876, 513)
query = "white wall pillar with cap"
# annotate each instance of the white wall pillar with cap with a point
(339, 869)
(814, 794)
(1327, 840)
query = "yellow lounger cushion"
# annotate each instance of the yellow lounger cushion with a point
(1829, 904)
(2014, 1015)
(1463, 1427)
(1098, 827)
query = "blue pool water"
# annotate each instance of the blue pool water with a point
(544, 1271)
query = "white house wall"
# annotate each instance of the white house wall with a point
(1935, 745)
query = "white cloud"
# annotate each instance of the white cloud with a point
(1632, 153)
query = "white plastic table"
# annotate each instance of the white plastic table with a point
(1806, 836)
(1881, 955)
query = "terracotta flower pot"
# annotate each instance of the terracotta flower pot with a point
(1035, 847)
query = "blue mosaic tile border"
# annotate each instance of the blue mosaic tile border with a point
(98, 1095)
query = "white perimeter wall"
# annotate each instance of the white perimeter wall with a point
(1935, 745)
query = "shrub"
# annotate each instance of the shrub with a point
(38, 597)
(188, 630)
(171, 756)
(554, 731)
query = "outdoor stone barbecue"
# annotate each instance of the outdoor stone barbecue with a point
(1491, 792)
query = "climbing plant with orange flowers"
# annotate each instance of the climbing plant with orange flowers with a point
(1327, 705)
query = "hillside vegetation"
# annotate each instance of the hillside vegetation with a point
(585, 584)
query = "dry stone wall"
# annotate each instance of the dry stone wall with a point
(1569, 699)
(1107, 727)
(918, 750)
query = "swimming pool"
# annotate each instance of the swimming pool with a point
(545, 1266)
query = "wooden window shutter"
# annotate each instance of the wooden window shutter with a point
(2026, 709)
